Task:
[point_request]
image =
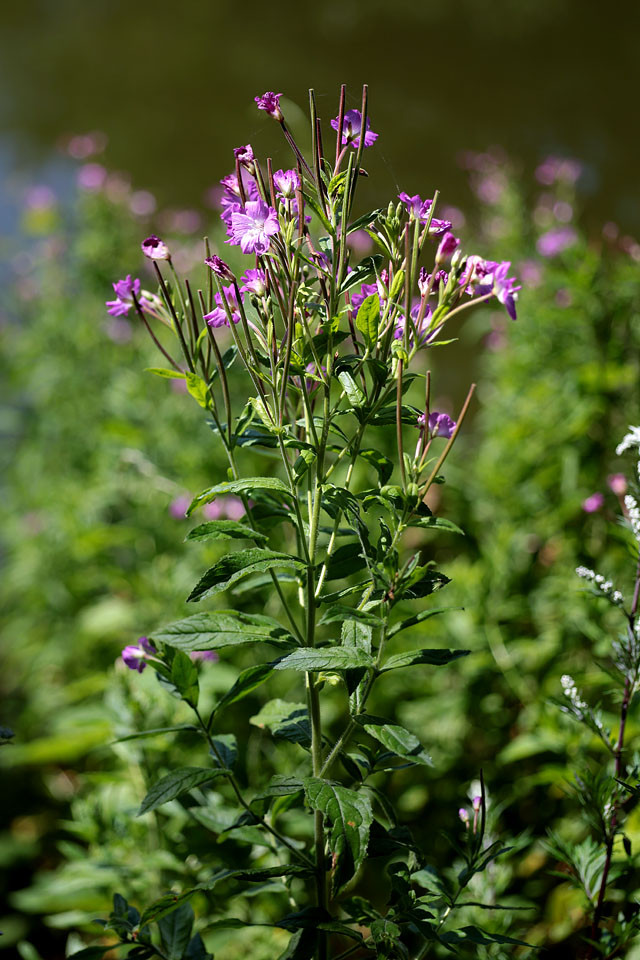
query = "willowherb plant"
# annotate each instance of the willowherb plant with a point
(331, 354)
(602, 864)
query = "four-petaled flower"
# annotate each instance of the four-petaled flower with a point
(416, 206)
(155, 249)
(286, 183)
(255, 281)
(270, 103)
(219, 267)
(125, 290)
(352, 129)
(253, 227)
(218, 316)
(135, 655)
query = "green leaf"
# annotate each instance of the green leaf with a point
(235, 566)
(226, 745)
(184, 676)
(382, 464)
(222, 628)
(89, 953)
(335, 658)
(156, 732)
(439, 523)
(175, 784)
(418, 618)
(365, 270)
(339, 612)
(397, 284)
(480, 937)
(285, 720)
(395, 737)
(247, 485)
(344, 561)
(437, 658)
(301, 946)
(197, 388)
(225, 530)
(167, 374)
(354, 394)
(365, 220)
(368, 319)
(350, 816)
(302, 464)
(175, 930)
(247, 682)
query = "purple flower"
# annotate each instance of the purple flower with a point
(255, 281)
(476, 803)
(231, 200)
(419, 209)
(424, 279)
(155, 249)
(270, 103)
(204, 655)
(135, 654)
(253, 228)
(554, 169)
(219, 267)
(554, 241)
(352, 129)
(366, 290)
(124, 290)
(425, 336)
(91, 176)
(486, 276)
(286, 183)
(617, 483)
(440, 424)
(244, 156)
(446, 247)
(179, 507)
(416, 207)
(593, 503)
(218, 316)
(464, 816)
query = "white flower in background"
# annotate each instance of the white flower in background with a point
(631, 439)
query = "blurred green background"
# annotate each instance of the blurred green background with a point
(94, 453)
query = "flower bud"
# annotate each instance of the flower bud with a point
(155, 249)
(219, 267)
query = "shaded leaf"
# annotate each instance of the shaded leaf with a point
(436, 657)
(247, 485)
(395, 737)
(285, 720)
(412, 621)
(247, 682)
(225, 530)
(175, 930)
(350, 816)
(175, 784)
(235, 566)
(440, 523)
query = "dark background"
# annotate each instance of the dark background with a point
(172, 86)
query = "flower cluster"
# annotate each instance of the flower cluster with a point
(603, 586)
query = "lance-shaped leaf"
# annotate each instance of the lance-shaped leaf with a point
(350, 816)
(286, 721)
(395, 737)
(330, 658)
(197, 388)
(167, 374)
(368, 319)
(418, 618)
(222, 628)
(247, 682)
(225, 530)
(382, 464)
(437, 523)
(235, 566)
(175, 784)
(247, 485)
(175, 930)
(437, 658)
(355, 396)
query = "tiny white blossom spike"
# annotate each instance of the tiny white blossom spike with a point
(633, 511)
(631, 439)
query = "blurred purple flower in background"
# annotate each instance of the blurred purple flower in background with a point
(554, 241)
(593, 503)
(135, 655)
(179, 507)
